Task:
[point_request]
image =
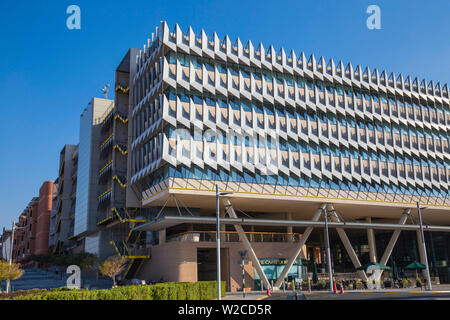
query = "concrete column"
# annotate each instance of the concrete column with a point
(252, 236)
(371, 242)
(162, 236)
(299, 248)
(246, 243)
(289, 229)
(222, 226)
(394, 238)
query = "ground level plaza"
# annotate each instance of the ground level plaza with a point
(280, 232)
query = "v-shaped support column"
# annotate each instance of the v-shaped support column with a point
(302, 242)
(346, 242)
(394, 238)
(243, 237)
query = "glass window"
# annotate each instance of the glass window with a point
(234, 71)
(210, 102)
(221, 68)
(172, 58)
(209, 67)
(267, 77)
(196, 63)
(330, 89)
(197, 100)
(300, 83)
(183, 97)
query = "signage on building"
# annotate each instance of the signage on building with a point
(276, 261)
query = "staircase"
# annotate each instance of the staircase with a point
(42, 279)
(37, 279)
(133, 267)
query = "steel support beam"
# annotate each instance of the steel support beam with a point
(347, 244)
(302, 242)
(229, 209)
(394, 238)
(170, 221)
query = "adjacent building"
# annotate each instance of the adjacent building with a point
(62, 216)
(25, 232)
(88, 189)
(46, 194)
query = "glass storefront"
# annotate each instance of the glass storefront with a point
(273, 267)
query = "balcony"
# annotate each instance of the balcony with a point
(233, 236)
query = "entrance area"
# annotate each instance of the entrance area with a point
(206, 265)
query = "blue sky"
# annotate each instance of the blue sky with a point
(48, 73)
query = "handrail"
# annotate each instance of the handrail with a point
(119, 117)
(122, 89)
(107, 139)
(128, 217)
(124, 152)
(123, 185)
(104, 193)
(102, 169)
(235, 232)
(254, 236)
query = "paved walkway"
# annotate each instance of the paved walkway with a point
(438, 288)
(260, 295)
(252, 295)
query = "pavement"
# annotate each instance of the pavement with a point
(439, 292)
(252, 295)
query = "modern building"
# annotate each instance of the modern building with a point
(115, 218)
(88, 191)
(289, 138)
(44, 209)
(62, 217)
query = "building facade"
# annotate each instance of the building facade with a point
(289, 136)
(44, 209)
(25, 232)
(115, 217)
(62, 217)
(88, 191)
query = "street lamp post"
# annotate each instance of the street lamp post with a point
(425, 258)
(218, 239)
(218, 243)
(328, 249)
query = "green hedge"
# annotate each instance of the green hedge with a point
(202, 290)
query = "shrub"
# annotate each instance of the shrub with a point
(202, 290)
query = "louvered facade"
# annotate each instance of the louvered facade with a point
(262, 122)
